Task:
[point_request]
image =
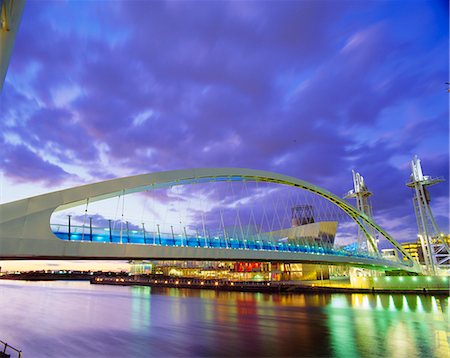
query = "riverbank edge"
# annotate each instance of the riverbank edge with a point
(252, 286)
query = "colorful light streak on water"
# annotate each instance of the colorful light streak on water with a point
(76, 319)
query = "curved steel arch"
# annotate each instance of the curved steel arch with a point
(31, 217)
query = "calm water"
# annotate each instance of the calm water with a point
(76, 319)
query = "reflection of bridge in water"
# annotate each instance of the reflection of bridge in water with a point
(26, 233)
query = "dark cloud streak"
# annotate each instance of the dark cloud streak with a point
(309, 89)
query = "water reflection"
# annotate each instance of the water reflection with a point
(140, 308)
(411, 326)
(77, 319)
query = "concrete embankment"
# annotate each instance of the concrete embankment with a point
(171, 282)
(262, 286)
(403, 283)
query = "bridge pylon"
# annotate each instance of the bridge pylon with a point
(435, 249)
(361, 193)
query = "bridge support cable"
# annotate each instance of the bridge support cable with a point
(152, 224)
(251, 217)
(235, 231)
(221, 223)
(179, 219)
(264, 226)
(110, 231)
(205, 237)
(183, 222)
(144, 206)
(286, 209)
(233, 225)
(190, 219)
(255, 206)
(69, 234)
(202, 206)
(91, 236)
(128, 231)
(238, 217)
(122, 217)
(223, 229)
(143, 233)
(84, 219)
(185, 236)
(116, 213)
(275, 218)
(176, 222)
(165, 233)
(173, 235)
(159, 234)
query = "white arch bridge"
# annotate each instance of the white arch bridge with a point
(26, 233)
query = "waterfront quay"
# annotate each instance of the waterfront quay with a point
(245, 282)
(418, 285)
(194, 283)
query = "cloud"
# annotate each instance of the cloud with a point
(308, 89)
(23, 165)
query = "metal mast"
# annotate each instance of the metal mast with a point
(361, 193)
(434, 247)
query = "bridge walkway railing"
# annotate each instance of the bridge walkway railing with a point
(253, 242)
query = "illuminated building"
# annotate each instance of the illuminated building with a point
(414, 249)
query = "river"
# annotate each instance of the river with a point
(76, 319)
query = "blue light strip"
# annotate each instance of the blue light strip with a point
(216, 242)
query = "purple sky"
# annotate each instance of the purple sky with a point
(311, 89)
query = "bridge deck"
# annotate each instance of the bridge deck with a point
(259, 242)
(257, 247)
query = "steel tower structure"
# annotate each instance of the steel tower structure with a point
(361, 193)
(435, 249)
